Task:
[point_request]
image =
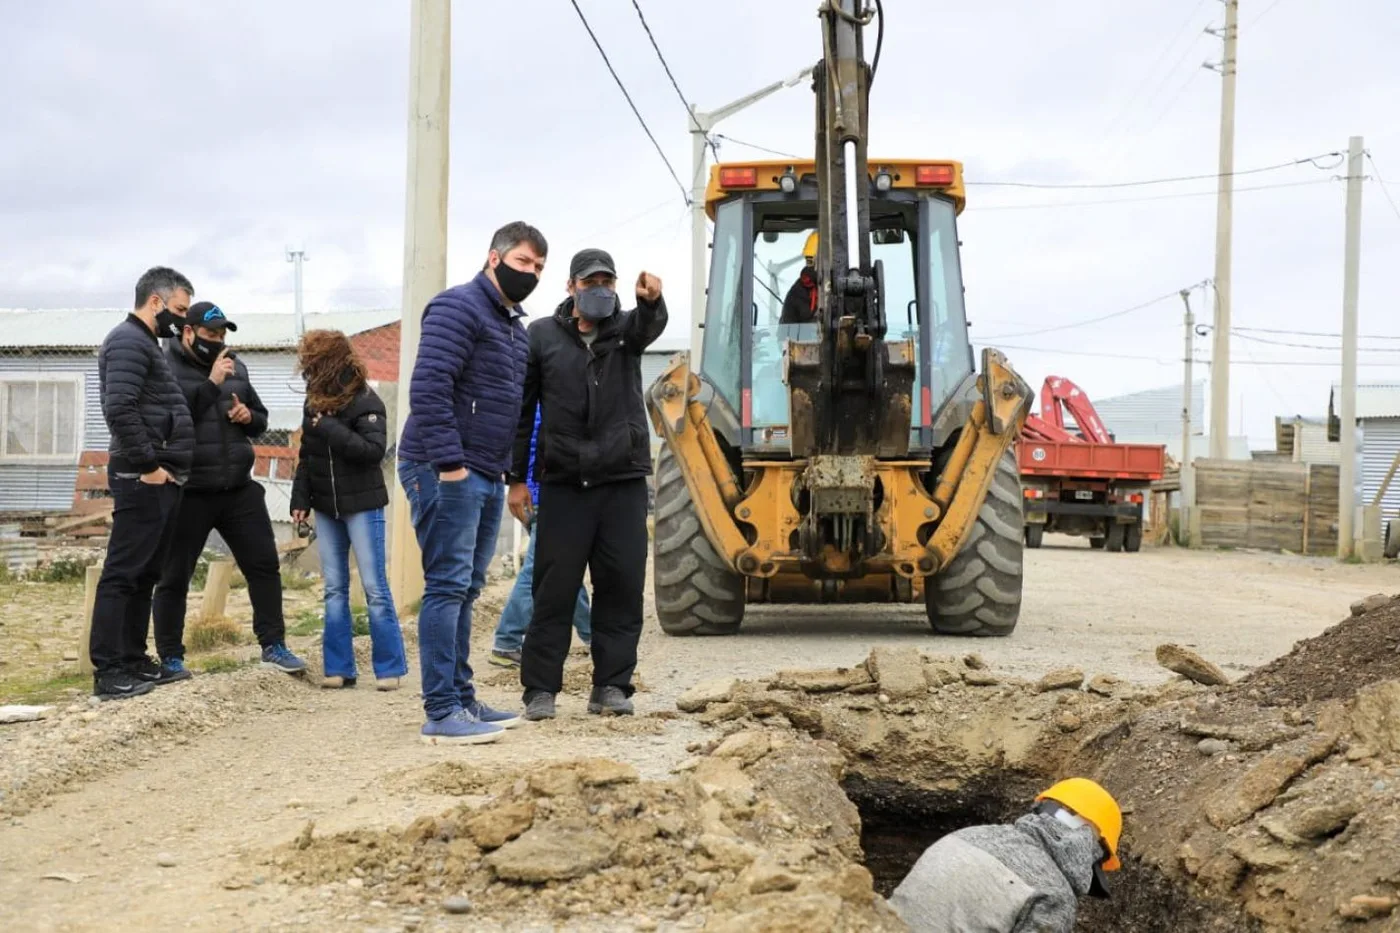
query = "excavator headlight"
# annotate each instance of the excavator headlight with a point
(883, 181)
(788, 182)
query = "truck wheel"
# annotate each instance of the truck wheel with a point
(1116, 538)
(1035, 535)
(1392, 540)
(696, 594)
(1132, 538)
(979, 592)
(1096, 543)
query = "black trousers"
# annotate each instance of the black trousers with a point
(603, 529)
(143, 525)
(240, 517)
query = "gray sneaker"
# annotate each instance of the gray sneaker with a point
(509, 659)
(610, 700)
(539, 705)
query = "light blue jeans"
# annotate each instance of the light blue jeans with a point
(456, 524)
(335, 538)
(515, 617)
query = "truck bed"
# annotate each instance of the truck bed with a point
(1135, 462)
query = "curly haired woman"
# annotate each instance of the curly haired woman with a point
(340, 478)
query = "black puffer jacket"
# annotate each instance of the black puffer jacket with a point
(146, 414)
(594, 424)
(223, 451)
(340, 467)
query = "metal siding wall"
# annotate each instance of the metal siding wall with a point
(1315, 446)
(274, 376)
(1153, 413)
(34, 488)
(1380, 442)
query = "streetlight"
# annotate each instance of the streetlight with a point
(701, 123)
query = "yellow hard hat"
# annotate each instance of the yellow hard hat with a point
(1090, 801)
(809, 250)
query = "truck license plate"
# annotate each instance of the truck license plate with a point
(1084, 494)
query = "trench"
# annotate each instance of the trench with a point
(899, 821)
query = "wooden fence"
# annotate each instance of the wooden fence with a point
(1269, 506)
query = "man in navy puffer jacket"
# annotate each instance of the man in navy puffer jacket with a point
(465, 398)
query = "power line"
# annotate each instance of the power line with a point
(1167, 181)
(1311, 333)
(740, 142)
(623, 88)
(1309, 346)
(1103, 354)
(1384, 190)
(1147, 78)
(1085, 323)
(690, 111)
(1158, 197)
(1267, 10)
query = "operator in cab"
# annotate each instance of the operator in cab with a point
(800, 305)
(1023, 878)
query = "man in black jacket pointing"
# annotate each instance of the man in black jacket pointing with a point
(593, 458)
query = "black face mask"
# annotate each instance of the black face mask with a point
(206, 351)
(596, 303)
(168, 323)
(516, 286)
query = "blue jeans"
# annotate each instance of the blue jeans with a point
(456, 524)
(515, 617)
(335, 537)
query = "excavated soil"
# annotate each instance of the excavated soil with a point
(1362, 650)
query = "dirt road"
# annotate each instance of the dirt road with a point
(172, 800)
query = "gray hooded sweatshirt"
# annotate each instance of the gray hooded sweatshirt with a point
(1023, 878)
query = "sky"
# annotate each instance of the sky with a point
(212, 136)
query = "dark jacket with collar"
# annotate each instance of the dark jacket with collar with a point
(465, 389)
(340, 469)
(593, 426)
(223, 450)
(146, 413)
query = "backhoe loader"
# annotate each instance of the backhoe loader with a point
(858, 456)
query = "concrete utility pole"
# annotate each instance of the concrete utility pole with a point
(424, 242)
(1220, 350)
(700, 126)
(1186, 478)
(1346, 502)
(297, 257)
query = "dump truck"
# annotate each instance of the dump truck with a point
(857, 455)
(1083, 482)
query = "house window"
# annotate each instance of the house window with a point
(42, 417)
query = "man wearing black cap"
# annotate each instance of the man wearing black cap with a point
(221, 494)
(594, 455)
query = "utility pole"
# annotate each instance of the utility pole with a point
(1186, 479)
(701, 124)
(424, 242)
(1220, 350)
(1346, 500)
(297, 257)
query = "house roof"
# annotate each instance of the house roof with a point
(84, 328)
(1373, 400)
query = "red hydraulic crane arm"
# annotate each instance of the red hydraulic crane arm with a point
(1059, 394)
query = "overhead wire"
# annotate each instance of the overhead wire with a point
(1147, 77)
(1156, 197)
(635, 112)
(690, 110)
(1267, 10)
(1311, 333)
(739, 142)
(1385, 189)
(1175, 293)
(1308, 346)
(1313, 160)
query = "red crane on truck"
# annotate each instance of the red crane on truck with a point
(1083, 483)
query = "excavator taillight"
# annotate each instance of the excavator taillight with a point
(933, 175)
(746, 407)
(738, 178)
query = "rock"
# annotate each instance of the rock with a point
(718, 776)
(722, 712)
(456, 905)
(70, 877)
(1261, 854)
(1367, 907)
(304, 837)
(974, 661)
(942, 673)
(1376, 717)
(355, 884)
(1212, 747)
(70, 655)
(1067, 722)
(670, 824)
(494, 826)
(1190, 665)
(1106, 685)
(1068, 678)
(1254, 737)
(554, 782)
(166, 860)
(599, 772)
(765, 876)
(726, 852)
(1324, 820)
(1262, 784)
(1370, 604)
(979, 677)
(791, 914)
(703, 694)
(898, 671)
(554, 851)
(1221, 873)
(16, 713)
(746, 747)
(828, 681)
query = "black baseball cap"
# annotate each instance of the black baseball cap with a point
(209, 315)
(588, 262)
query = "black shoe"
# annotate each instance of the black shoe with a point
(146, 669)
(119, 685)
(539, 705)
(611, 700)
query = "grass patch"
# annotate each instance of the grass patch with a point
(359, 622)
(46, 690)
(220, 665)
(205, 636)
(310, 622)
(296, 580)
(65, 570)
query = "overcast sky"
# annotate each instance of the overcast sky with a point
(212, 135)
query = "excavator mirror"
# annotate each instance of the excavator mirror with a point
(887, 237)
(770, 236)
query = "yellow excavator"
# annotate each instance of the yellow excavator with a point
(848, 450)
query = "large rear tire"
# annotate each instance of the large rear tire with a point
(696, 594)
(1117, 537)
(1035, 534)
(1132, 538)
(979, 592)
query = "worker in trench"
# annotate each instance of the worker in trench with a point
(1025, 877)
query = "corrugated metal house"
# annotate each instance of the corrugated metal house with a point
(1377, 439)
(1304, 440)
(50, 407)
(1153, 416)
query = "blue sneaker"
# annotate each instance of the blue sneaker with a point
(172, 670)
(494, 717)
(460, 728)
(279, 658)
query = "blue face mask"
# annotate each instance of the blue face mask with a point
(596, 303)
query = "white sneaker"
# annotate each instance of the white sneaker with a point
(387, 683)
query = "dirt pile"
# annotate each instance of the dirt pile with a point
(757, 836)
(1361, 650)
